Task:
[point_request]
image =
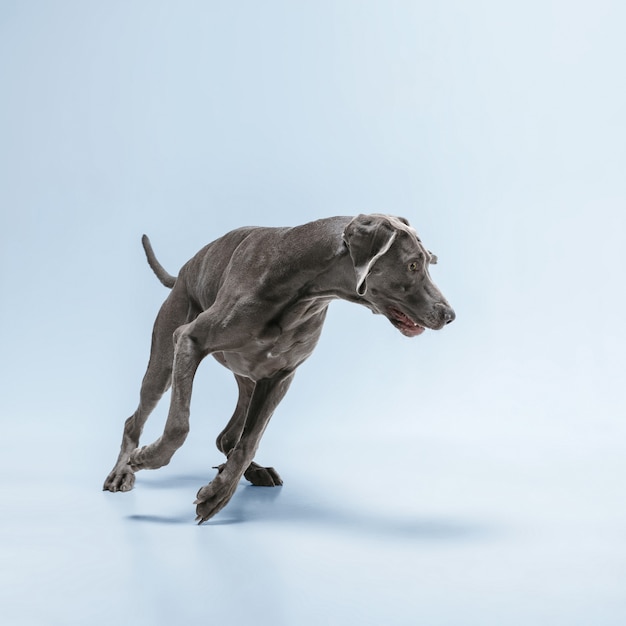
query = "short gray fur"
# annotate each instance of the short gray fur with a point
(256, 299)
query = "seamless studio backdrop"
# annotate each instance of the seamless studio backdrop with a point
(472, 476)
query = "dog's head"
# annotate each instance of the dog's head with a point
(391, 268)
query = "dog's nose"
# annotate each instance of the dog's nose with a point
(448, 314)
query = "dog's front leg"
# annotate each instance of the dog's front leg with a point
(265, 398)
(187, 357)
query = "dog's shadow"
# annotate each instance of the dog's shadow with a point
(261, 504)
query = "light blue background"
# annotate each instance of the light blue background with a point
(471, 476)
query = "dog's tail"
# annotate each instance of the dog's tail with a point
(166, 278)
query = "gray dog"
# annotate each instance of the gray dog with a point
(256, 299)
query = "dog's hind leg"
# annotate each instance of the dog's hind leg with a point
(156, 382)
(230, 436)
(261, 476)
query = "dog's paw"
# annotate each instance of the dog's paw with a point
(212, 498)
(137, 459)
(263, 476)
(152, 456)
(119, 480)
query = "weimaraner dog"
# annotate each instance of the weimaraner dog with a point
(256, 299)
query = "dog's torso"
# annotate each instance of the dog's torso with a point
(281, 306)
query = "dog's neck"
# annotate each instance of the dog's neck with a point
(336, 278)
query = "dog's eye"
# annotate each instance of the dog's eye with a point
(413, 266)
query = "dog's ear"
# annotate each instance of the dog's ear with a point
(368, 237)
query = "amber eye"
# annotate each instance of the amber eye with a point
(413, 266)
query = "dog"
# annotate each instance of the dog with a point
(256, 299)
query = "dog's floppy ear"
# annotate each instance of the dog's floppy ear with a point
(368, 237)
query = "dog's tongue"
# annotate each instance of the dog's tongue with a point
(405, 324)
(412, 331)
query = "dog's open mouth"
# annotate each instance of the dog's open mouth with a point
(404, 323)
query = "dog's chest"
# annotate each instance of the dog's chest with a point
(278, 349)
